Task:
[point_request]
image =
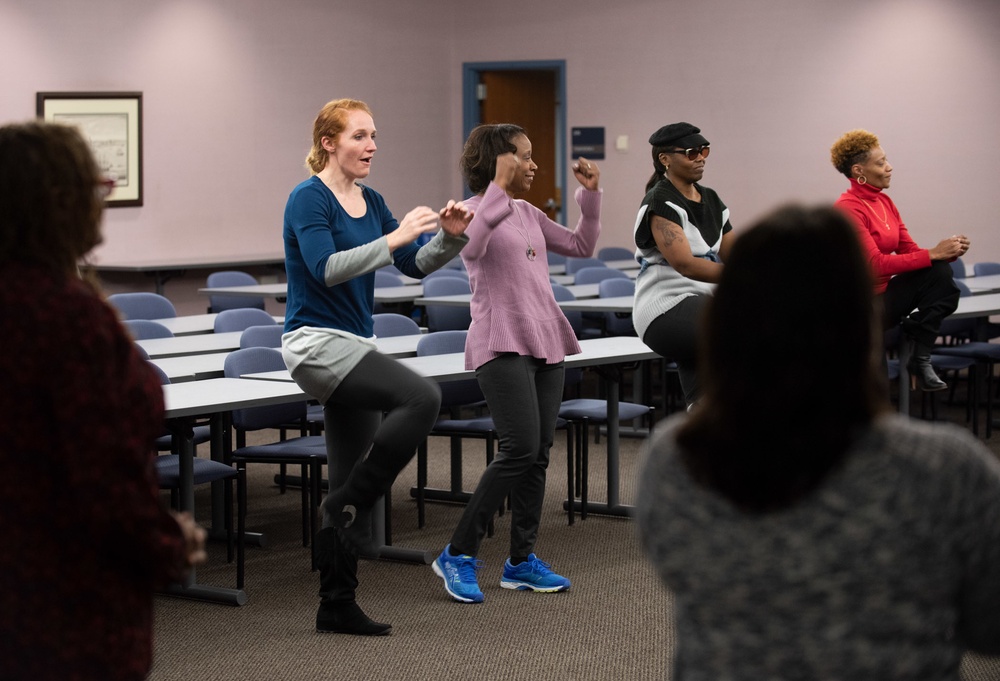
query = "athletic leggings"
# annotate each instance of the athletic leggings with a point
(675, 335)
(354, 422)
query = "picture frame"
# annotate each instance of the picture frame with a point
(111, 122)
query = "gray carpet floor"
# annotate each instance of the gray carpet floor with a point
(614, 623)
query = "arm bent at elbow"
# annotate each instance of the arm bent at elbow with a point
(674, 246)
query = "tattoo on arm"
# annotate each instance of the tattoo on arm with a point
(667, 231)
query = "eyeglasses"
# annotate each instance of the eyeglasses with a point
(693, 152)
(104, 187)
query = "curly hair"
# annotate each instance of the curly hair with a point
(50, 208)
(479, 157)
(330, 122)
(852, 147)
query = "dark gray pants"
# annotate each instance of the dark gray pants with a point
(523, 394)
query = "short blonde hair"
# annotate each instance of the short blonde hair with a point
(330, 122)
(852, 147)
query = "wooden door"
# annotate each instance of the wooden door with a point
(528, 99)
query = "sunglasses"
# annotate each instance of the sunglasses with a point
(693, 152)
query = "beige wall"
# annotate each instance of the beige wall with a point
(231, 87)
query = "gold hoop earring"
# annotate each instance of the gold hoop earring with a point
(862, 179)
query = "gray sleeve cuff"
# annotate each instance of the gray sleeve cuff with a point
(437, 252)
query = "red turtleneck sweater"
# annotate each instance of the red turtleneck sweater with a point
(888, 245)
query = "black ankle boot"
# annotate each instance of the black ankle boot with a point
(348, 618)
(921, 370)
(338, 579)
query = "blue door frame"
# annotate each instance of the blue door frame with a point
(470, 106)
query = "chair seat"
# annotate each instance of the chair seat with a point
(295, 449)
(168, 471)
(597, 410)
(977, 350)
(201, 434)
(482, 424)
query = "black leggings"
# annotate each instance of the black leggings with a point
(675, 335)
(354, 422)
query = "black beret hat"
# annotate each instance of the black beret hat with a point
(681, 135)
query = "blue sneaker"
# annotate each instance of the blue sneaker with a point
(459, 575)
(532, 574)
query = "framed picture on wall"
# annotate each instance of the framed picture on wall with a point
(112, 124)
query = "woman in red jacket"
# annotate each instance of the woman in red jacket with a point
(915, 284)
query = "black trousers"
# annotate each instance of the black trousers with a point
(919, 300)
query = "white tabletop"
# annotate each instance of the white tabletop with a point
(197, 344)
(251, 290)
(187, 325)
(989, 283)
(222, 394)
(612, 304)
(983, 305)
(451, 366)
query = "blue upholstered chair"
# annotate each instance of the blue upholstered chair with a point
(242, 318)
(447, 317)
(308, 451)
(143, 329)
(615, 253)
(218, 303)
(142, 305)
(575, 264)
(594, 275)
(262, 336)
(391, 324)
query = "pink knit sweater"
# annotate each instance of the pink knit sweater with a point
(513, 309)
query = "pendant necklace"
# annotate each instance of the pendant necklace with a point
(530, 252)
(885, 213)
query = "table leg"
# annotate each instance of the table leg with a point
(183, 431)
(613, 507)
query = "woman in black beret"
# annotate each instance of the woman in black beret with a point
(683, 233)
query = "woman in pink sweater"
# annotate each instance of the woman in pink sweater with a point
(517, 342)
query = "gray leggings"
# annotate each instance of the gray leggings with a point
(675, 335)
(523, 395)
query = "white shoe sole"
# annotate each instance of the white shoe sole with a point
(440, 573)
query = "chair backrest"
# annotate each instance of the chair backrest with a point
(575, 317)
(446, 272)
(574, 264)
(142, 305)
(453, 393)
(617, 323)
(447, 317)
(392, 324)
(555, 258)
(455, 263)
(958, 268)
(384, 279)
(253, 360)
(982, 269)
(592, 275)
(239, 319)
(232, 278)
(615, 253)
(262, 336)
(141, 329)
